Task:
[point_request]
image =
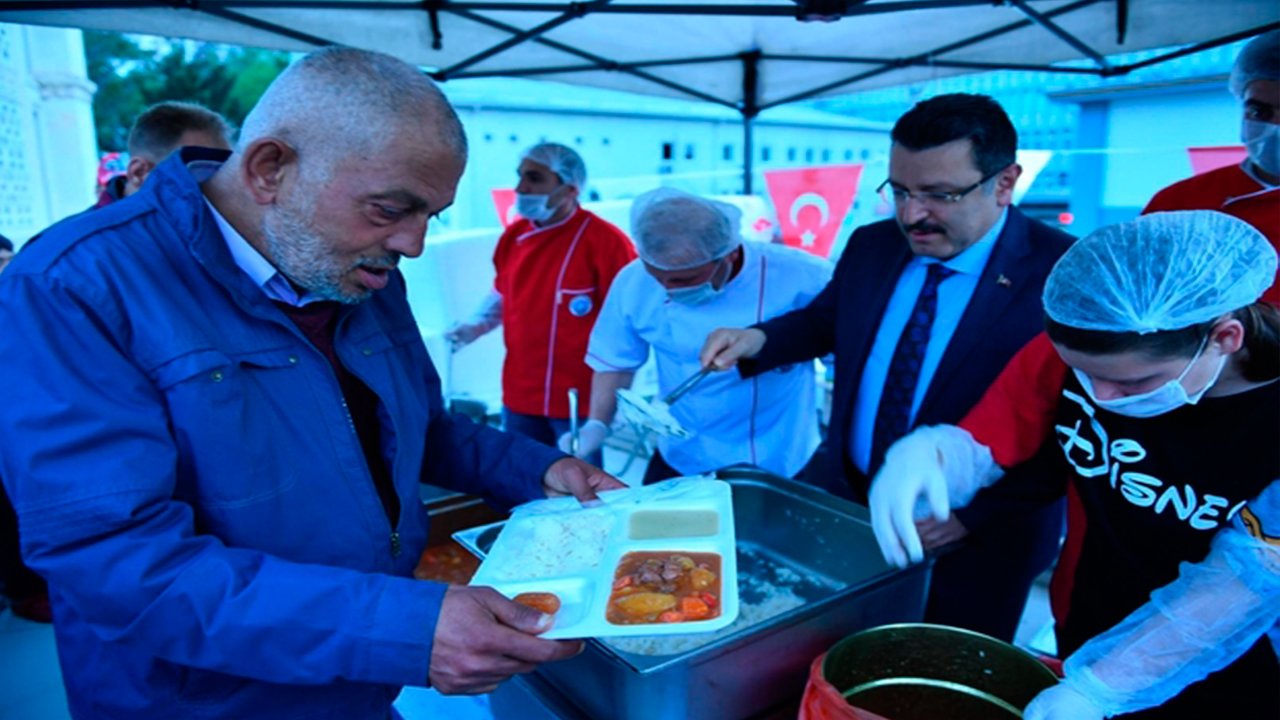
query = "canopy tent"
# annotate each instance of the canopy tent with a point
(750, 56)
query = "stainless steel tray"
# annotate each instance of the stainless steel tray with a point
(779, 524)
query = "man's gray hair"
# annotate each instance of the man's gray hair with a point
(341, 101)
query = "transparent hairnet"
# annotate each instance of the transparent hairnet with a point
(674, 230)
(1259, 60)
(563, 161)
(1163, 271)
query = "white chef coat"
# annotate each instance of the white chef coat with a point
(770, 420)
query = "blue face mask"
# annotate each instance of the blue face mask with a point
(1166, 398)
(534, 207)
(1262, 143)
(698, 294)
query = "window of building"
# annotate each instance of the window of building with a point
(728, 152)
(688, 152)
(791, 154)
(668, 151)
(826, 154)
(808, 155)
(848, 154)
(765, 153)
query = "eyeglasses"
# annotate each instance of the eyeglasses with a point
(899, 196)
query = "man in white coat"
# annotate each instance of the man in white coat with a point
(695, 274)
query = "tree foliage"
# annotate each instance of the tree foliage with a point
(133, 74)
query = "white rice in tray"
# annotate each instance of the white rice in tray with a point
(547, 546)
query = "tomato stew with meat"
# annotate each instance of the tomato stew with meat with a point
(665, 587)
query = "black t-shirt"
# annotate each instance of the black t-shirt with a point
(1155, 491)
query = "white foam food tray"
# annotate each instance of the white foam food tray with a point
(557, 546)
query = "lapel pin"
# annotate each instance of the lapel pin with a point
(1003, 281)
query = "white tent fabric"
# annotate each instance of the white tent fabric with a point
(707, 49)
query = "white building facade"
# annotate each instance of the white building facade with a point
(1134, 140)
(48, 151)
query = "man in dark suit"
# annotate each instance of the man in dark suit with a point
(922, 314)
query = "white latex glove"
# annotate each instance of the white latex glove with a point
(912, 470)
(591, 436)
(1062, 702)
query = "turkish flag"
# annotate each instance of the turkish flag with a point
(504, 201)
(1204, 159)
(811, 203)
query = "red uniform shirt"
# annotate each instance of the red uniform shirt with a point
(1014, 419)
(1230, 190)
(553, 281)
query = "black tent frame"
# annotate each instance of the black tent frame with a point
(749, 107)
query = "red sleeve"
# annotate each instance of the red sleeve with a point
(1163, 201)
(613, 253)
(500, 253)
(1015, 415)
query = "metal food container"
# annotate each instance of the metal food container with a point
(784, 528)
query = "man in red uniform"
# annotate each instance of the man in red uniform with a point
(554, 267)
(1250, 190)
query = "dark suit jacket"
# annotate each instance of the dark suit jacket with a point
(1004, 313)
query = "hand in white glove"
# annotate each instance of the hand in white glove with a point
(591, 436)
(912, 471)
(462, 335)
(1062, 702)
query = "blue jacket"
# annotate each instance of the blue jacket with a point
(187, 479)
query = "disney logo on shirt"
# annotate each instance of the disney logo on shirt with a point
(1089, 449)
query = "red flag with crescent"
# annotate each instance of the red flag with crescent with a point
(504, 201)
(811, 203)
(1204, 159)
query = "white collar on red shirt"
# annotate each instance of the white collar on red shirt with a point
(535, 230)
(1263, 186)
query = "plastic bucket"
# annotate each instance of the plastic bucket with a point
(924, 672)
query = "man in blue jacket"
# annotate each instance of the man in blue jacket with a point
(923, 312)
(217, 410)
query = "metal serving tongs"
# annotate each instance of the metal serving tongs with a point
(687, 385)
(574, 438)
(655, 415)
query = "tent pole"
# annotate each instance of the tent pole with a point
(750, 108)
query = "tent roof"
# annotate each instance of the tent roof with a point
(745, 55)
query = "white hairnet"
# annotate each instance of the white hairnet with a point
(674, 230)
(1163, 271)
(563, 161)
(1259, 60)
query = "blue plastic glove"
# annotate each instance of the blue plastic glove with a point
(1062, 702)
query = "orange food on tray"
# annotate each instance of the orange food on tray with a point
(546, 602)
(665, 587)
(447, 563)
